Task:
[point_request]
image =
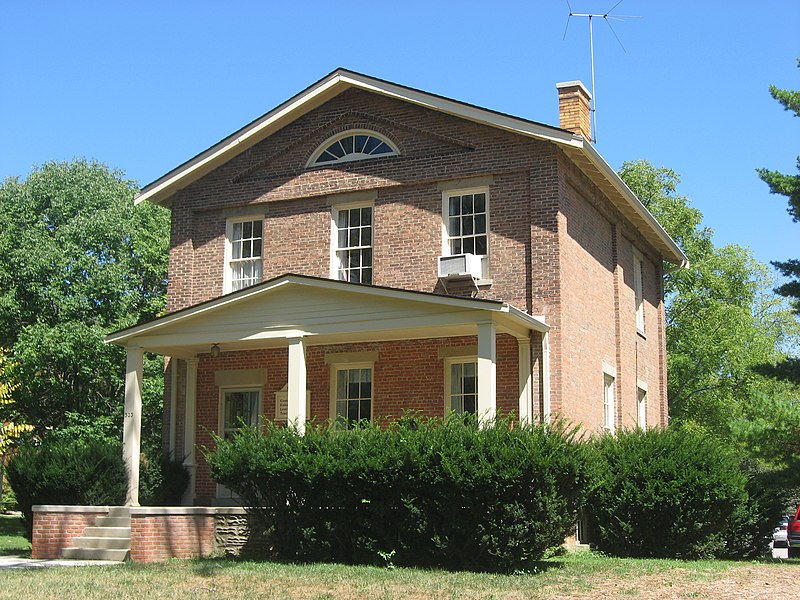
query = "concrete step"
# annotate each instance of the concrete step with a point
(119, 511)
(109, 543)
(112, 532)
(113, 522)
(95, 553)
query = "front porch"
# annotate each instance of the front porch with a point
(298, 349)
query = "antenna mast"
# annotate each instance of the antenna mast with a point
(605, 16)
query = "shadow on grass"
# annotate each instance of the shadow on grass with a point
(209, 567)
(12, 537)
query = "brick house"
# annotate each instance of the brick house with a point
(366, 248)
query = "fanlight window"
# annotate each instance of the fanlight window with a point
(357, 145)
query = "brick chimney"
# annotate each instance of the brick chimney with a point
(574, 109)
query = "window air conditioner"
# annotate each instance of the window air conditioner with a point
(460, 266)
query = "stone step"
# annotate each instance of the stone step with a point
(96, 553)
(112, 532)
(113, 522)
(109, 543)
(119, 511)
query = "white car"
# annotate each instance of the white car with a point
(779, 539)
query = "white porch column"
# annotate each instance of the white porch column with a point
(525, 379)
(487, 372)
(132, 422)
(296, 389)
(189, 428)
(546, 417)
(173, 401)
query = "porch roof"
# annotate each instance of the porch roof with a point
(323, 311)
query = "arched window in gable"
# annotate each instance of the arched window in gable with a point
(350, 146)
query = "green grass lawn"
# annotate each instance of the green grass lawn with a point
(12, 539)
(578, 575)
(575, 575)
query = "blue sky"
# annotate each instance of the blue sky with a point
(143, 86)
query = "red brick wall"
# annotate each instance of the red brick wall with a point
(159, 537)
(54, 531)
(556, 243)
(587, 312)
(408, 375)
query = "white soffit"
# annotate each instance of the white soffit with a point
(513, 318)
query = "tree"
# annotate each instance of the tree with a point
(789, 186)
(722, 317)
(77, 260)
(10, 432)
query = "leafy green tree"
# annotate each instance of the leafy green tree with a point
(77, 260)
(722, 316)
(789, 186)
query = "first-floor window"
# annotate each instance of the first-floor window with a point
(353, 388)
(608, 403)
(462, 386)
(642, 407)
(239, 407)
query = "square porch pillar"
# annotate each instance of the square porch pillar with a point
(525, 380)
(189, 428)
(487, 372)
(132, 422)
(296, 388)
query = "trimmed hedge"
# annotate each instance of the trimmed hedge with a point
(669, 493)
(60, 470)
(427, 493)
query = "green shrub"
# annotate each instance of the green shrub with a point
(425, 492)
(752, 522)
(61, 471)
(87, 471)
(665, 493)
(162, 482)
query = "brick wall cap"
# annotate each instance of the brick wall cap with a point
(69, 508)
(146, 511)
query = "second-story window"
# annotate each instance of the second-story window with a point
(466, 222)
(244, 253)
(638, 275)
(352, 242)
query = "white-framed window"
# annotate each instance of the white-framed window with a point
(351, 243)
(465, 216)
(238, 406)
(608, 403)
(641, 407)
(465, 224)
(244, 249)
(359, 144)
(638, 274)
(352, 393)
(461, 385)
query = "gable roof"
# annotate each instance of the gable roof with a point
(575, 146)
(323, 310)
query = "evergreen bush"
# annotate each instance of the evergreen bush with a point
(60, 471)
(87, 471)
(665, 493)
(162, 482)
(426, 492)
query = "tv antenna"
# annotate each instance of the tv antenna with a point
(605, 16)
